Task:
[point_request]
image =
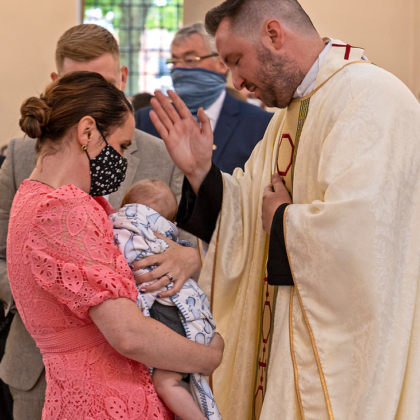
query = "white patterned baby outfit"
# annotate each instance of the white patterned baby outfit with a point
(134, 225)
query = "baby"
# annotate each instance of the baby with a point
(150, 206)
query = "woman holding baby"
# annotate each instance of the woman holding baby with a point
(72, 286)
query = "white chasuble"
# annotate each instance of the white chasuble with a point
(344, 342)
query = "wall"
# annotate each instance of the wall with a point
(29, 32)
(389, 30)
(385, 28)
(416, 48)
(195, 10)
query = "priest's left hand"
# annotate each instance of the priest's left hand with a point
(275, 194)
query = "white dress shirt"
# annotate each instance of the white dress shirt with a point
(213, 112)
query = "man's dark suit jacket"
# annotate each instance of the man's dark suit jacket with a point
(239, 128)
(2, 158)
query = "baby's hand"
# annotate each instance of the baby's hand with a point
(177, 264)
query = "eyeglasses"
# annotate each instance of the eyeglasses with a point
(188, 61)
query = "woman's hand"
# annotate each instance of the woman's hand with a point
(177, 264)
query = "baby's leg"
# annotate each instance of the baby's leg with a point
(178, 399)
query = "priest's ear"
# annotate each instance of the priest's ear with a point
(272, 34)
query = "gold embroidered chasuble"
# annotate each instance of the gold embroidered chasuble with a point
(342, 343)
(285, 152)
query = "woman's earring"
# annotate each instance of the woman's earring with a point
(84, 147)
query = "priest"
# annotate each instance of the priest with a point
(313, 261)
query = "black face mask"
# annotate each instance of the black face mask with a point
(107, 171)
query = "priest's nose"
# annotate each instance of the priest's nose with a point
(238, 81)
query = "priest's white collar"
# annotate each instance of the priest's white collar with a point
(308, 83)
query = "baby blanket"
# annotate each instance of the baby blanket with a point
(134, 225)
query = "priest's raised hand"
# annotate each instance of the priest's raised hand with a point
(189, 145)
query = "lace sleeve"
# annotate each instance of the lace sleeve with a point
(72, 254)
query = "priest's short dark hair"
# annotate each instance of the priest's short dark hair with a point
(247, 15)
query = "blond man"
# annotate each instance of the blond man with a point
(89, 48)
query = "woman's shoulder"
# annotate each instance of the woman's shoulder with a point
(69, 197)
(45, 192)
(68, 208)
(74, 196)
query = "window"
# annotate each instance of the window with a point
(144, 30)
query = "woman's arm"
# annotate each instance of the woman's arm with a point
(150, 342)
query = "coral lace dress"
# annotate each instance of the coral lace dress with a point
(61, 261)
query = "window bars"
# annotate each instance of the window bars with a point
(144, 29)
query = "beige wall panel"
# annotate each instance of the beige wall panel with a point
(195, 10)
(416, 47)
(29, 32)
(385, 28)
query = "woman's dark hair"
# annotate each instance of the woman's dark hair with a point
(67, 100)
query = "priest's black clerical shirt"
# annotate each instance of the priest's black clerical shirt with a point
(198, 215)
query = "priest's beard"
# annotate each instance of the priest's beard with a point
(279, 78)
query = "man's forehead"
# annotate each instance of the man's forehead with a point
(223, 31)
(227, 42)
(192, 44)
(104, 63)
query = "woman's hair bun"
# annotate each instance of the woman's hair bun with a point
(35, 115)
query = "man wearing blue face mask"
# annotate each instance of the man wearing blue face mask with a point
(199, 78)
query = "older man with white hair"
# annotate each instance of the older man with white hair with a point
(199, 78)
